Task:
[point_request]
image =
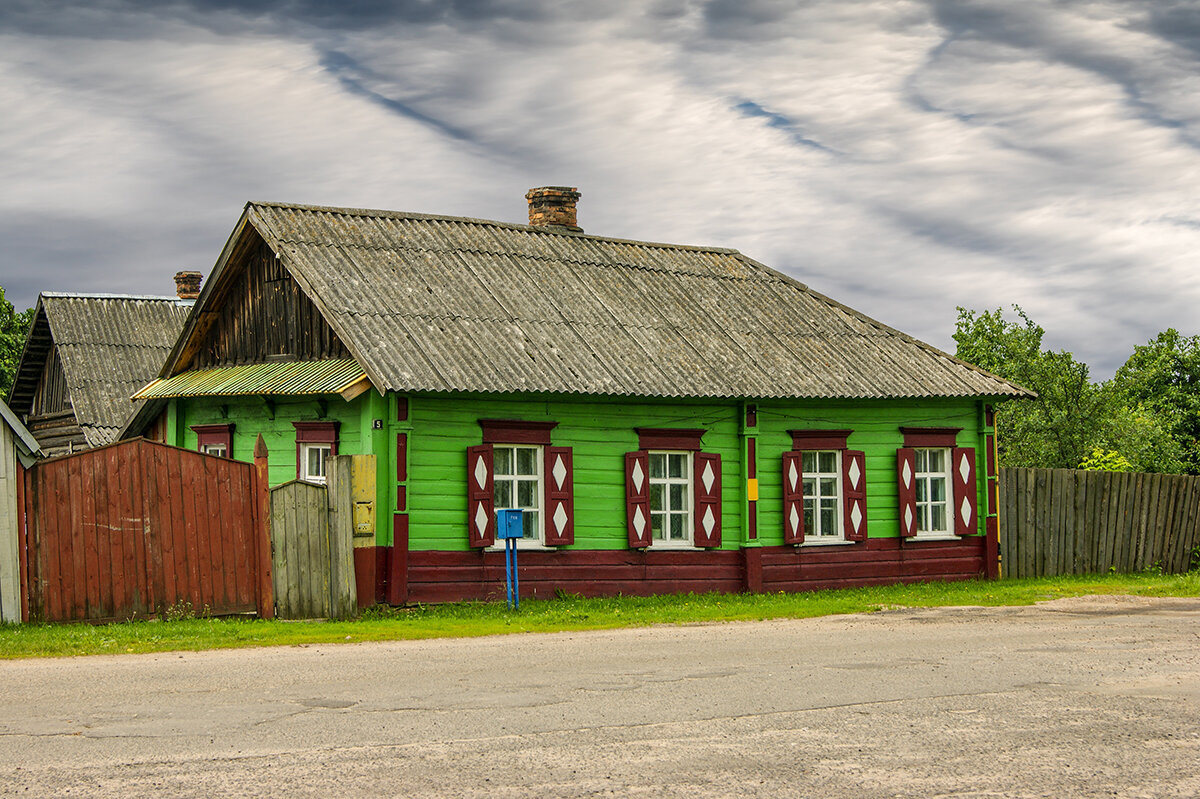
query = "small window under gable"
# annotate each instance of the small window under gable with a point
(316, 443)
(214, 439)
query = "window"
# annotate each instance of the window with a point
(214, 439)
(824, 489)
(518, 484)
(517, 467)
(822, 493)
(672, 491)
(670, 498)
(316, 443)
(932, 494)
(313, 459)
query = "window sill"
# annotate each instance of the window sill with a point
(840, 542)
(676, 548)
(947, 537)
(522, 548)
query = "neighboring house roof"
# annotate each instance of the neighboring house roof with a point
(27, 446)
(110, 346)
(432, 303)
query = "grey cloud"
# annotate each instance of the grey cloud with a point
(780, 122)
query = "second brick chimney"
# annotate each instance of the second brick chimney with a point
(187, 285)
(553, 207)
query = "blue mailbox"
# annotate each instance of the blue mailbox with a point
(509, 523)
(509, 528)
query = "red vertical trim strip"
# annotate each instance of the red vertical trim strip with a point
(402, 409)
(401, 457)
(397, 583)
(793, 498)
(752, 474)
(23, 539)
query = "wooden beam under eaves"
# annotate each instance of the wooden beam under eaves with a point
(360, 386)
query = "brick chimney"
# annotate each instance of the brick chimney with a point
(553, 207)
(187, 285)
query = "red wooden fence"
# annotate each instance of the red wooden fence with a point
(136, 528)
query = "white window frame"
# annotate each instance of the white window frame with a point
(219, 449)
(925, 506)
(305, 448)
(689, 501)
(813, 533)
(539, 459)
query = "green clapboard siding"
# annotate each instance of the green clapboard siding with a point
(876, 425)
(601, 431)
(251, 416)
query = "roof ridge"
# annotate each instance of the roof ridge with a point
(101, 295)
(380, 213)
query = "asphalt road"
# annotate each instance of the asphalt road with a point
(1079, 697)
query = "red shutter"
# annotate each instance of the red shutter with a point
(965, 496)
(560, 497)
(906, 490)
(793, 498)
(481, 511)
(854, 503)
(637, 498)
(706, 524)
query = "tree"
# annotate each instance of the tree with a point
(1162, 379)
(13, 328)
(1073, 420)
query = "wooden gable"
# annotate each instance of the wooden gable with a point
(261, 316)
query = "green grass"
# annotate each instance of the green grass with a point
(568, 613)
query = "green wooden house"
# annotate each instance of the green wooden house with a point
(670, 418)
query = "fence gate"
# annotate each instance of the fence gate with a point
(136, 528)
(312, 554)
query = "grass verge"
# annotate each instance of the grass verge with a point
(556, 615)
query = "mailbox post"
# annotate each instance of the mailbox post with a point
(510, 528)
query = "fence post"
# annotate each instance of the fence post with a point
(262, 502)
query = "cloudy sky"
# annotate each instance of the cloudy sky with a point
(904, 157)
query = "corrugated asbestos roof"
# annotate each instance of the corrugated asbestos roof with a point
(297, 377)
(428, 303)
(110, 346)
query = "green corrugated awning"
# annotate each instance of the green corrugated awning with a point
(296, 377)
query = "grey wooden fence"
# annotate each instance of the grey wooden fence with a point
(1064, 521)
(312, 551)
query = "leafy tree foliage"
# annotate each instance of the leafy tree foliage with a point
(13, 327)
(1162, 379)
(1073, 421)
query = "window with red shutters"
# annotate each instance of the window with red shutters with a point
(673, 496)
(824, 489)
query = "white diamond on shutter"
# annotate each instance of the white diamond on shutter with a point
(559, 471)
(853, 473)
(708, 477)
(709, 521)
(964, 467)
(481, 520)
(794, 518)
(560, 518)
(481, 472)
(965, 510)
(906, 475)
(793, 475)
(638, 477)
(639, 521)
(856, 516)
(908, 519)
